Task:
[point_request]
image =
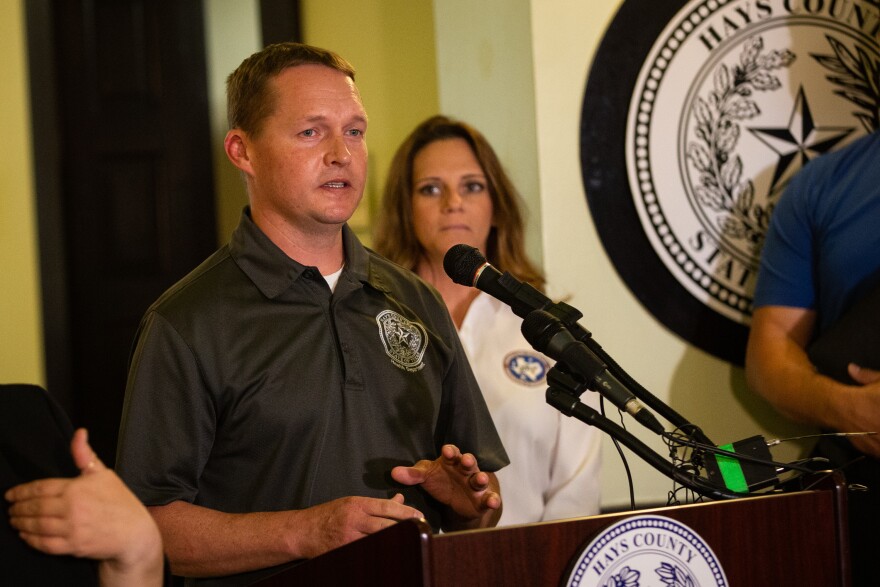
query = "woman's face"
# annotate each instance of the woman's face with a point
(450, 198)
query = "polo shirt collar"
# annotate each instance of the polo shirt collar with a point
(267, 266)
(359, 263)
(273, 272)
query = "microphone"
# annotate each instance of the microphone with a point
(466, 265)
(546, 333)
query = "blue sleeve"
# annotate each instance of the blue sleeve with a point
(787, 269)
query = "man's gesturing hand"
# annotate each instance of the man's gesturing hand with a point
(454, 479)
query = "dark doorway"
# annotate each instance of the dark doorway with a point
(280, 21)
(124, 183)
(123, 178)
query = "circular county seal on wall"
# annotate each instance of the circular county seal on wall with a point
(647, 551)
(695, 116)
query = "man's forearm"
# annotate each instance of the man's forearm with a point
(202, 542)
(778, 369)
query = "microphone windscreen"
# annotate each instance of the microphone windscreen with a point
(461, 263)
(538, 327)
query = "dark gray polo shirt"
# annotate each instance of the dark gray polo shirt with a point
(253, 388)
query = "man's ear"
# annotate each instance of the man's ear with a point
(235, 146)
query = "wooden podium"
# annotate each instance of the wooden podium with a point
(795, 539)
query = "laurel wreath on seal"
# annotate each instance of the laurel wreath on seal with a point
(722, 187)
(858, 77)
(671, 576)
(674, 576)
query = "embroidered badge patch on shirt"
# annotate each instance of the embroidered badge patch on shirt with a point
(526, 367)
(405, 341)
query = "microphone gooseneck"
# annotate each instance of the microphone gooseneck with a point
(546, 333)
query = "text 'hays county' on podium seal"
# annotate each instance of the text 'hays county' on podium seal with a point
(647, 551)
(719, 103)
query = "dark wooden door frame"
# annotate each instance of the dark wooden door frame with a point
(47, 185)
(280, 21)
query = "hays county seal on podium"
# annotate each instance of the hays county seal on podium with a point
(695, 117)
(647, 551)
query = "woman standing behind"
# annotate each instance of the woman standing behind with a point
(446, 186)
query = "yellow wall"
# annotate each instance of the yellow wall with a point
(232, 33)
(486, 77)
(390, 43)
(21, 342)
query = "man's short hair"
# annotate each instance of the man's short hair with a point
(249, 98)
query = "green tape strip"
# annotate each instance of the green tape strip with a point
(731, 471)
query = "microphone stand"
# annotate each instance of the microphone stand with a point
(466, 265)
(524, 298)
(652, 401)
(563, 394)
(570, 316)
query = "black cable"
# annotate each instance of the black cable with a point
(738, 456)
(629, 479)
(683, 463)
(572, 406)
(640, 392)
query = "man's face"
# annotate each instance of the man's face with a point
(308, 163)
